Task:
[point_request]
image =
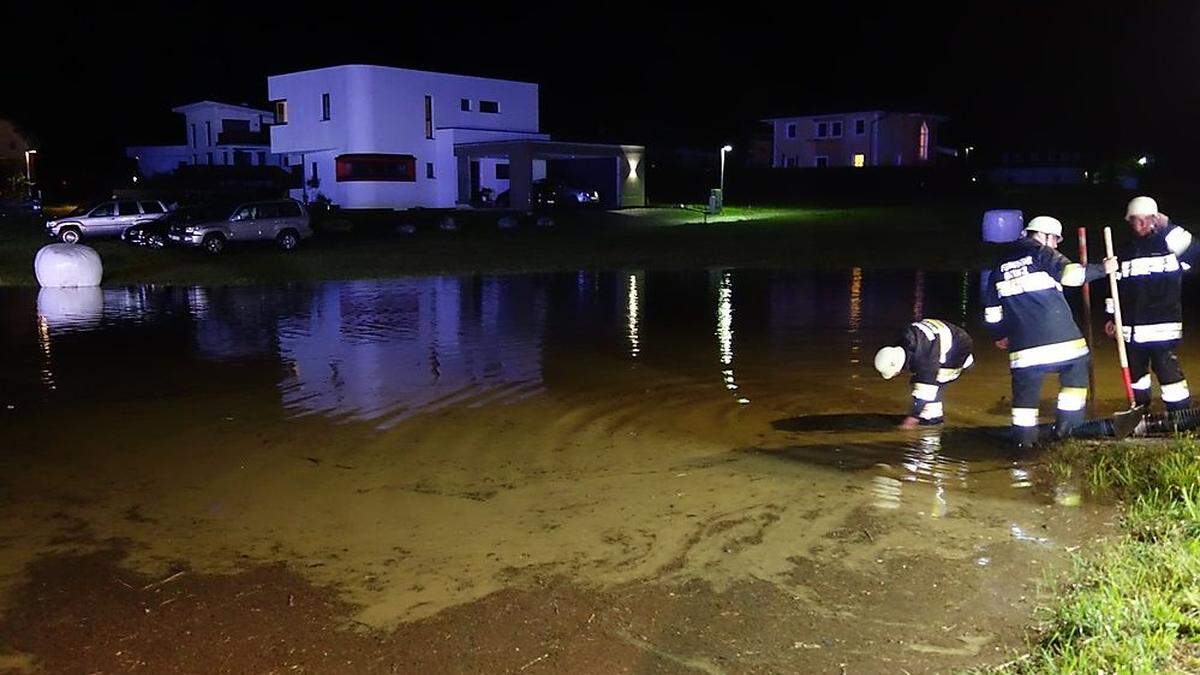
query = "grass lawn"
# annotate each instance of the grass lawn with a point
(1132, 605)
(658, 238)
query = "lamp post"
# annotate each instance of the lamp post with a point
(29, 172)
(724, 150)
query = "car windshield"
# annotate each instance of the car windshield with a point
(83, 210)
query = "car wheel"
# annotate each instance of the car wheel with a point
(288, 240)
(156, 241)
(213, 244)
(70, 235)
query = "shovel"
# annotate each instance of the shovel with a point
(1125, 422)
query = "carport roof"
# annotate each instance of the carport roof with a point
(544, 149)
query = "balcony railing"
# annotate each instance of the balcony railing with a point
(262, 137)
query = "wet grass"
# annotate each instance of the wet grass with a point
(1134, 604)
(665, 238)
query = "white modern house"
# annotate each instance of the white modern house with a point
(856, 139)
(381, 137)
(217, 134)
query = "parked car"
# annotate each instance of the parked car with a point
(153, 234)
(284, 221)
(28, 206)
(548, 193)
(106, 219)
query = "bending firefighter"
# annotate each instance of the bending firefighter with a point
(936, 352)
(1026, 313)
(1151, 275)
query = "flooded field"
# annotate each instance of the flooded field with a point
(593, 472)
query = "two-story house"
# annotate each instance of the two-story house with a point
(855, 139)
(382, 137)
(216, 134)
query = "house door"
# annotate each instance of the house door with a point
(474, 180)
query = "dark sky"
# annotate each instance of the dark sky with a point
(1097, 75)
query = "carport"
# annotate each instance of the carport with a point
(617, 172)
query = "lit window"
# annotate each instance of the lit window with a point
(923, 142)
(374, 167)
(860, 159)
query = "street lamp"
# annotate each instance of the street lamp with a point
(28, 173)
(725, 149)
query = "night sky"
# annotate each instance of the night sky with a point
(1074, 75)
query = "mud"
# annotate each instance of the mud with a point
(592, 473)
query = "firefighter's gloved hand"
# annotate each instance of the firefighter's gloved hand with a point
(1110, 265)
(1110, 329)
(1002, 344)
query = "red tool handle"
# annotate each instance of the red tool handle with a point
(1116, 298)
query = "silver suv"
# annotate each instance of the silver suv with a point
(283, 220)
(106, 219)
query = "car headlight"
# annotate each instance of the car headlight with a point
(191, 230)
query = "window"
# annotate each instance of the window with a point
(428, 116)
(244, 213)
(820, 161)
(791, 131)
(325, 107)
(281, 111)
(860, 127)
(287, 161)
(104, 210)
(501, 171)
(266, 210)
(860, 160)
(489, 107)
(316, 180)
(923, 142)
(128, 209)
(151, 207)
(791, 162)
(193, 135)
(822, 129)
(836, 129)
(429, 169)
(288, 209)
(464, 104)
(208, 133)
(389, 168)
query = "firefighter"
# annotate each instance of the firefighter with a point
(1151, 274)
(1027, 315)
(936, 353)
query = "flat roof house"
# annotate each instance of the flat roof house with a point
(855, 139)
(383, 137)
(216, 134)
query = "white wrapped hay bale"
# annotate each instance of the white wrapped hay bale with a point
(67, 266)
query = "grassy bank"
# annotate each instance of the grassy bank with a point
(944, 237)
(1133, 605)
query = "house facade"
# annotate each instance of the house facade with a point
(216, 134)
(382, 137)
(855, 139)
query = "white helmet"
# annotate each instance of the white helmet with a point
(1045, 225)
(889, 361)
(1141, 206)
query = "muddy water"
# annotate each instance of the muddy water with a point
(420, 444)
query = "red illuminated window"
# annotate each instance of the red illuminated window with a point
(393, 168)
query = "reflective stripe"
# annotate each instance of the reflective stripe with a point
(925, 392)
(1055, 353)
(1028, 283)
(1155, 264)
(948, 374)
(1178, 240)
(993, 314)
(1155, 332)
(927, 330)
(931, 411)
(1074, 274)
(1072, 398)
(970, 361)
(1109, 307)
(1142, 383)
(1175, 392)
(1024, 417)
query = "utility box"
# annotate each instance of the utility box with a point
(716, 201)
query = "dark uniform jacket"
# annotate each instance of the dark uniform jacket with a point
(935, 352)
(1151, 277)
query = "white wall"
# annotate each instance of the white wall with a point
(158, 159)
(375, 109)
(198, 114)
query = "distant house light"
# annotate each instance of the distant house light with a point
(860, 160)
(1143, 160)
(923, 142)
